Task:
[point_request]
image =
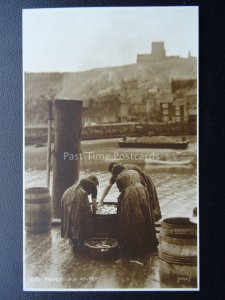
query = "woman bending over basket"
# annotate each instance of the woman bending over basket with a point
(146, 181)
(136, 220)
(76, 221)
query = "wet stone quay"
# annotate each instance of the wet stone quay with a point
(52, 263)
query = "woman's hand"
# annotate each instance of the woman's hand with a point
(100, 204)
(105, 192)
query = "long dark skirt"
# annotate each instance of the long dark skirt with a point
(76, 215)
(136, 220)
(153, 198)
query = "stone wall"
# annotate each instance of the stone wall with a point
(36, 135)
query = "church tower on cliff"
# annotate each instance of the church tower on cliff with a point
(158, 51)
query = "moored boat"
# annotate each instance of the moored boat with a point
(160, 142)
(168, 162)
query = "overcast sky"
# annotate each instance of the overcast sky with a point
(77, 39)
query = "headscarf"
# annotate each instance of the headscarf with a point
(111, 165)
(123, 181)
(88, 186)
(94, 179)
(117, 169)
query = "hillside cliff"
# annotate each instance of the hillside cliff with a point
(91, 84)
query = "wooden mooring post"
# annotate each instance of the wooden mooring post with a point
(68, 116)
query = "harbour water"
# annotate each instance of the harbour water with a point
(176, 189)
(176, 185)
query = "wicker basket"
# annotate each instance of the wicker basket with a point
(98, 246)
(106, 225)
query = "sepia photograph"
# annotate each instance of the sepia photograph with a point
(110, 149)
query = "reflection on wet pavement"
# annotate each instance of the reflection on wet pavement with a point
(51, 263)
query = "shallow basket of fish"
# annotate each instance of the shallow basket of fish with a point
(101, 246)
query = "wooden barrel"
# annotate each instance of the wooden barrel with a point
(177, 225)
(178, 260)
(177, 276)
(37, 210)
(178, 248)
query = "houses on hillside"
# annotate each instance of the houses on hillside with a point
(180, 104)
(143, 92)
(176, 102)
(107, 109)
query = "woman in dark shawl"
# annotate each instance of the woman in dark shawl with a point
(76, 216)
(146, 181)
(136, 221)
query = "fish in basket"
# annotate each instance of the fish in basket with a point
(101, 246)
(107, 209)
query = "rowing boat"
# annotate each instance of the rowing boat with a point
(168, 162)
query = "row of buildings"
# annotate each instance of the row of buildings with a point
(168, 99)
(145, 91)
(174, 103)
